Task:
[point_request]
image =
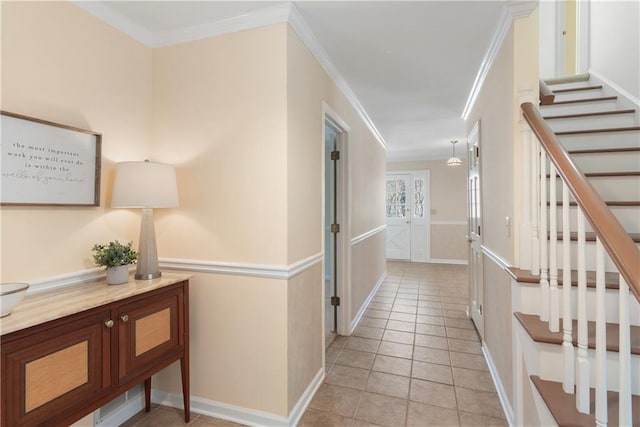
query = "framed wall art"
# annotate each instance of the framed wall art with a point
(45, 163)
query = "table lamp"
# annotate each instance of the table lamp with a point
(145, 185)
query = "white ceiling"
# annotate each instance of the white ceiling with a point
(411, 64)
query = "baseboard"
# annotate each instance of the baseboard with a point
(365, 304)
(238, 414)
(447, 261)
(502, 395)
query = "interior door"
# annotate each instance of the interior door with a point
(398, 216)
(476, 289)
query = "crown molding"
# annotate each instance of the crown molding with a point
(300, 26)
(512, 10)
(255, 19)
(117, 20)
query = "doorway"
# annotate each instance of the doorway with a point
(408, 215)
(476, 284)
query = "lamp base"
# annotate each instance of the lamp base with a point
(149, 276)
(147, 267)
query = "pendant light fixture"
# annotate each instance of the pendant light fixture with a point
(454, 161)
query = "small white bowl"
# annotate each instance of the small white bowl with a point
(10, 295)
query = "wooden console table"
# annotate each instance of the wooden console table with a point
(67, 352)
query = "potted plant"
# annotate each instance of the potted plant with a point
(116, 257)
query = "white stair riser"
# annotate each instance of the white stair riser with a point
(611, 188)
(607, 162)
(628, 217)
(530, 303)
(546, 361)
(579, 107)
(590, 257)
(581, 94)
(593, 122)
(600, 140)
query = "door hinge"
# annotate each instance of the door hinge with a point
(335, 155)
(478, 230)
(335, 301)
(335, 228)
(477, 151)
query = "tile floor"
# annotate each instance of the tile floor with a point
(414, 360)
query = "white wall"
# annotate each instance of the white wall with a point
(615, 43)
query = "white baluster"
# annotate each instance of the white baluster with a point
(544, 241)
(601, 338)
(535, 206)
(568, 381)
(525, 228)
(624, 410)
(582, 374)
(554, 297)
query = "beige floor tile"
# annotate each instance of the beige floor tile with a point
(398, 325)
(356, 359)
(425, 300)
(347, 376)
(428, 311)
(479, 402)
(313, 418)
(388, 384)
(463, 334)
(362, 344)
(384, 300)
(386, 306)
(455, 314)
(405, 317)
(432, 372)
(161, 416)
(336, 400)
(339, 341)
(396, 349)
(360, 423)
(467, 360)
(383, 410)
(459, 323)
(377, 314)
(373, 323)
(464, 346)
(421, 415)
(398, 336)
(475, 420)
(454, 307)
(431, 355)
(424, 329)
(430, 320)
(368, 332)
(332, 353)
(203, 421)
(432, 393)
(392, 365)
(404, 309)
(407, 302)
(431, 341)
(476, 380)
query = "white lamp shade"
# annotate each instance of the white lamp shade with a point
(144, 185)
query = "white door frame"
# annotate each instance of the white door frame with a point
(426, 173)
(344, 208)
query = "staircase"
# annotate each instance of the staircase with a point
(585, 371)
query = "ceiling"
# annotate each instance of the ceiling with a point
(411, 65)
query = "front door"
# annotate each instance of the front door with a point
(398, 217)
(476, 293)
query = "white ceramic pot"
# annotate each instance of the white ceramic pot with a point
(10, 295)
(118, 275)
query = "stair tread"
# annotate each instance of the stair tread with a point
(618, 203)
(576, 78)
(563, 407)
(611, 280)
(595, 113)
(577, 101)
(603, 130)
(539, 331)
(608, 174)
(605, 150)
(577, 89)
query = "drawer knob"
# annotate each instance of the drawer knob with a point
(124, 318)
(109, 323)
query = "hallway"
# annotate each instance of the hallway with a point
(414, 360)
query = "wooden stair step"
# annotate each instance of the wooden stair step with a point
(605, 150)
(611, 280)
(610, 174)
(583, 100)
(604, 130)
(563, 406)
(591, 237)
(539, 331)
(595, 113)
(614, 203)
(576, 89)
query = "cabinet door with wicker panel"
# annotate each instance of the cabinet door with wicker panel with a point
(63, 364)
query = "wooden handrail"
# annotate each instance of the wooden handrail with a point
(546, 95)
(621, 249)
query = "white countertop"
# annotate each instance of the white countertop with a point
(47, 306)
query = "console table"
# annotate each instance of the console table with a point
(67, 352)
